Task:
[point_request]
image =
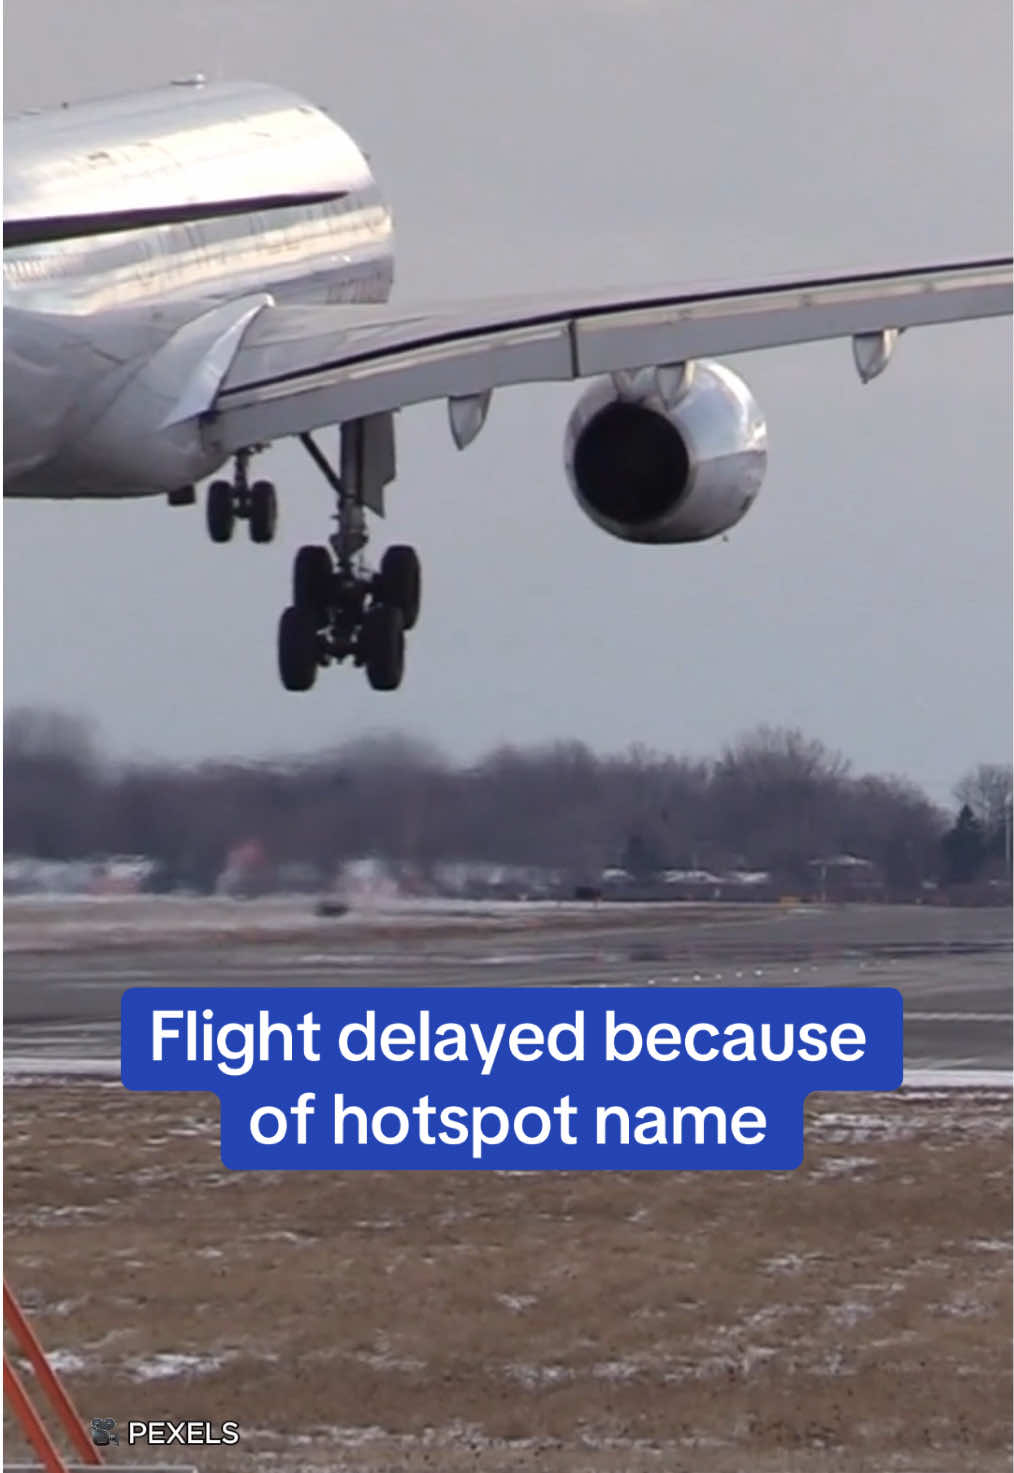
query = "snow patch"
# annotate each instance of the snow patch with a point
(161, 1367)
(66, 1362)
(837, 1166)
(532, 1377)
(516, 1303)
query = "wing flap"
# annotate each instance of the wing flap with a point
(300, 385)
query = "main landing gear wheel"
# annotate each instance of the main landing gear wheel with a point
(221, 511)
(297, 649)
(256, 504)
(400, 582)
(263, 512)
(384, 646)
(313, 582)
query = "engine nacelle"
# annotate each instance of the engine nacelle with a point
(677, 468)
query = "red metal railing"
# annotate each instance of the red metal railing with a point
(22, 1404)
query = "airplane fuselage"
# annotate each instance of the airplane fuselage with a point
(192, 143)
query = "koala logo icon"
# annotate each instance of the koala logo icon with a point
(104, 1431)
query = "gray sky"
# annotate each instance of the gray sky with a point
(547, 143)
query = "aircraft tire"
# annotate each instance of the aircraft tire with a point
(221, 511)
(263, 511)
(401, 582)
(297, 649)
(312, 579)
(384, 643)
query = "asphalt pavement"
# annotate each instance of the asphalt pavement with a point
(63, 986)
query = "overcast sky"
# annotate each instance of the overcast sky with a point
(546, 143)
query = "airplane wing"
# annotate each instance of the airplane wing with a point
(299, 368)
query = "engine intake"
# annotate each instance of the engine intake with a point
(675, 469)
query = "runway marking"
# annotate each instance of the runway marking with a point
(958, 1079)
(30, 1069)
(913, 1017)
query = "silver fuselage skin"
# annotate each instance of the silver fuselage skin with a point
(188, 143)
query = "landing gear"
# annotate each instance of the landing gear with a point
(297, 649)
(256, 504)
(400, 582)
(340, 609)
(384, 646)
(312, 581)
(263, 512)
(221, 511)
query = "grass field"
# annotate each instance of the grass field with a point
(854, 1315)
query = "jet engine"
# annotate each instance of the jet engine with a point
(673, 454)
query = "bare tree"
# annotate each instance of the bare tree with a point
(54, 785)
(987, 792)
(776, 796)
(774, 800)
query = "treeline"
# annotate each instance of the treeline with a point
(772, 801)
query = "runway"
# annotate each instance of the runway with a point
(67, 967)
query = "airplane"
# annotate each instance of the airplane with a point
(196, 271)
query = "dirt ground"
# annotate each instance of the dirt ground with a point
(854, 1315)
